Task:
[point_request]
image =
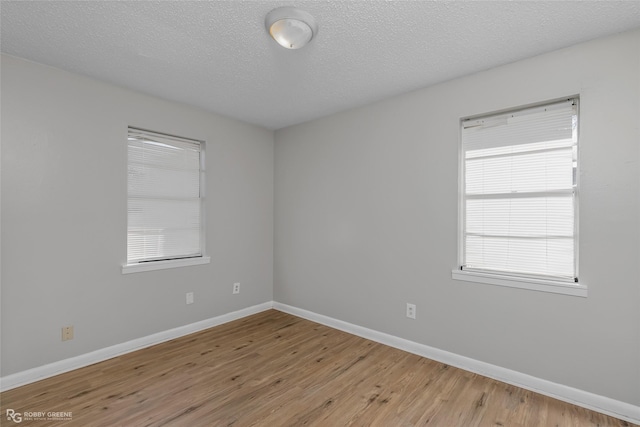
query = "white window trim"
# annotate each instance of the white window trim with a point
(541, 285)
(162, 265)
(179, 262)
(518, 282)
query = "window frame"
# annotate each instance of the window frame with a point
(515, 280)
(161, 264)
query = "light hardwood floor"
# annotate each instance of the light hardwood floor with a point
(273, 369)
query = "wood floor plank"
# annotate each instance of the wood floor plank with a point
(273, 369)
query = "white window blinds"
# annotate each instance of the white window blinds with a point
(520, 193)
(164, 210)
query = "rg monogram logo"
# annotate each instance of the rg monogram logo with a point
(14, 416)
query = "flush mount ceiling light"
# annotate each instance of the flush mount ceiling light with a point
(292, 28)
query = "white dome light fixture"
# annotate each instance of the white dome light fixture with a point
(292, 28)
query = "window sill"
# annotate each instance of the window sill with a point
(162, 265)
(540, 285)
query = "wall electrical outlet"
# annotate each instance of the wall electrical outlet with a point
(67, 333)
(236, 288)
(411, 311)
(189, 297)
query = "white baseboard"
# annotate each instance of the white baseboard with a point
(31, 375)
(585, 399)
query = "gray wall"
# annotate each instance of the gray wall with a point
(366, 208)
(64, 217)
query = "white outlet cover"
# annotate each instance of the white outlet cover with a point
(411, 311)
(189, 297)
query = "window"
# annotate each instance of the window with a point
(165, 201)
(519, 199)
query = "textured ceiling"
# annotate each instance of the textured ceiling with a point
(217, 54)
